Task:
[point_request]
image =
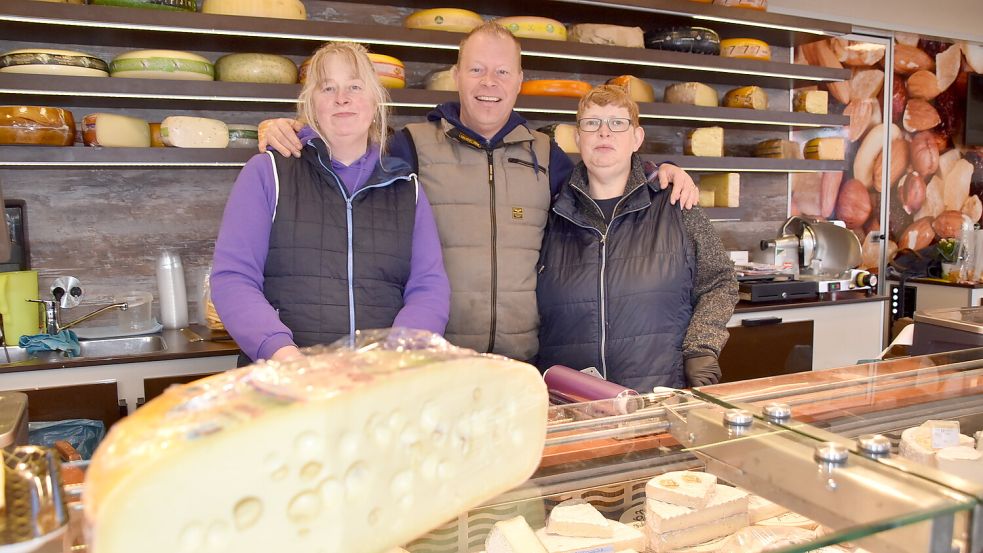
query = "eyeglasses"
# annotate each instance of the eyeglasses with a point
(593, 124)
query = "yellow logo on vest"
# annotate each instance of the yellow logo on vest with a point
(517, 213)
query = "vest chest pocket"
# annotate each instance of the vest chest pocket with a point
(527, 192)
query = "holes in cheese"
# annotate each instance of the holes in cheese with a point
(162, 64)
(37, 125)
(707, 142)
(613, 35)
(830, 148)
(243, 136)
(282, 9)
(638, 90)
(745, 48)
(345, 450)
(696, 40)
(778, 148)
(812, 101)
(555, 87)
(524, 26)
(194, 132)
(45, 61)
(171, 5)
(115, 131)
(692, 93)
(454, 20)
(750, 97)
(726, 189)
(255, 68)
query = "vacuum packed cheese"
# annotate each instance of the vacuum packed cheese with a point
(162, 64)
(36, 125)
(255, 68)
(46, 61)
(513, 536)
(390, 70)
(578, 518)
(565, 136)
(694, 40)
(555, 87)
(812, 101)
(692, 93)
(282, 9)
(351, 449)
(707, 142)
(454, 20)
(613, 35)
(831, 148)
(638, 90)
(750, 97)
(524, 26)
(194, 132)
(243, 136)
(172, 5)
(745, 48)
(726, 189)
(115, 131)
(778, 148)
(623, 538)
(441, 80)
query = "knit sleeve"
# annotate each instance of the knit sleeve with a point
(714, 290)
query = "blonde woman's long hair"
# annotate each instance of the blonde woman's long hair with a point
(357, 57)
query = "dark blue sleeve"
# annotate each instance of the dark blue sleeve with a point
(401, 146)
(560, 168)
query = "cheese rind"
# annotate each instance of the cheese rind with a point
(692, 93)
(694, 535)
(600, 33)
(684, 488)
(38, 125)
(812, 101)
(453, 20)
(555, 87)
(745, 48)
(115, 131)
(638, 90)
(778, 148)
(827, 148)
(696, 40)
(624, 537)
(243, 136)
(726, 189)
(162, 64)
(255, 68)
(524, 26)
(578, 518)
(194, 132)
(46, 61)
(707, 142)
(749, 97)
(391, 72)
(726, 501)
(513, 536)
(281, 9)
(321, 431)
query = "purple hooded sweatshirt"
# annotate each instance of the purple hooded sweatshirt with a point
(243, 244)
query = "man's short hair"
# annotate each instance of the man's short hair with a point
(609, 94)
(493, 29)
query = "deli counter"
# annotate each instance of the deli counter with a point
(817, 451)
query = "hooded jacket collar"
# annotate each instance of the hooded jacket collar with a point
(388, 168)
(574, 201)
(450, 115)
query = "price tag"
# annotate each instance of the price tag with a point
(944, 433)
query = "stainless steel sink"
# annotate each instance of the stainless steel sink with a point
(101, 347)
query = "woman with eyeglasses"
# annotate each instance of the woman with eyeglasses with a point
(627, 284)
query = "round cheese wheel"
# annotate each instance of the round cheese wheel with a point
(162, 64)
(556, 87)
(282, 9)
(390, 70)
(454, 20)
(243, 136)
(696, 40)
(441, 80)
(745, 48)
(171, 5)
(524, 26)
(182, 131)
(115, 131)
(255, 68)
(44, 61)
(36, 125)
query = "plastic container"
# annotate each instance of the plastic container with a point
(172, 291)
(137, 316)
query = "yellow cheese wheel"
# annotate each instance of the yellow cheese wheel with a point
(282, 9)
(454, 20)
(826, 148)
(162, 64)
(255, 68)
(745, 48)
(555, 87)
(390, 70)
(36, 125)
(524, 26)
(46, 61)
(750, 97)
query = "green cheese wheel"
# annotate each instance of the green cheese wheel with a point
(255, 68)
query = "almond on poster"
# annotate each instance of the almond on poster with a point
(908, 59)
(957, 183)
(947, 64)
(857, 54)
(920, 115)
(923, 84)
(973, 208)
(866, 83)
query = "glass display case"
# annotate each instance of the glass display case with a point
(823, 446)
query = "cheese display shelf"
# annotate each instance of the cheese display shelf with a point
(83, 156)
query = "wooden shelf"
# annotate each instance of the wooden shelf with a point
(110, 93)
(26, 20)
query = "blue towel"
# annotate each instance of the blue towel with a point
(66, 341)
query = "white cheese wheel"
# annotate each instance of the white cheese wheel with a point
(46, 61)
(194, 132)
(441, 80)
(243, 136)
(255, 68)
(115, 131)
(282, 9)
(36, 125)
(962, 461)
(162, 64)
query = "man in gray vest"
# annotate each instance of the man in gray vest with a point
(490, 180)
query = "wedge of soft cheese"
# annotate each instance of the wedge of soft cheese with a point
(916, 444)
(725, 502)
(578, 518)
(623, 537)
(667, 541)
(355, 451)
(962, 461)
(684, 488)
(513, 536)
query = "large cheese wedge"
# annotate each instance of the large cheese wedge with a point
(513, 536)
(578, 518)
(162, 64)
(45, 61)
(692, 93)
(745, 48)
(243, 136)
(255, 68)
(778, 148)
(555, 87)
(524, 26)
(613, 35)
(391, 72)
(828, 148)
(282, 9)
(639, 90)
(171, 5)
(36, 125)
(811, 101)
(441, 80)
(694, 40)
(454, 20)
(707, 142)
(194, 132)
(684, 488)
(726, 189)
(749, 97)
(341, 451)
(565, 136)
(624, 537)
(115, 131)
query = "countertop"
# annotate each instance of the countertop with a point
(832, 298)
(177, 347)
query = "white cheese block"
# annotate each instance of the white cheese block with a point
(726, 501)
(46, 61)
(578, 518)
(916, 445)
(513, 536)
(255, 68)
(318, 470)
(115, 131)
(685, 488)
(667, 541)
(726, 188)
(282, 9)
(962, 461)
(194, 132)
(243, 136)
(760, 508)
(693, 93)
(625, 537)
(790, 520)
(162, 64)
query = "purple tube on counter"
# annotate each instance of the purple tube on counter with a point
(572, 386)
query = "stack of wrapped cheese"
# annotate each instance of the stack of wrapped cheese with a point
(688, 508)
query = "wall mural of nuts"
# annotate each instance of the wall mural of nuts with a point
(935, 182)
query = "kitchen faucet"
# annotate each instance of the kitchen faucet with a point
(71, 298)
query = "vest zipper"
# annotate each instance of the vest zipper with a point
(494, 251)
(528, 164)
